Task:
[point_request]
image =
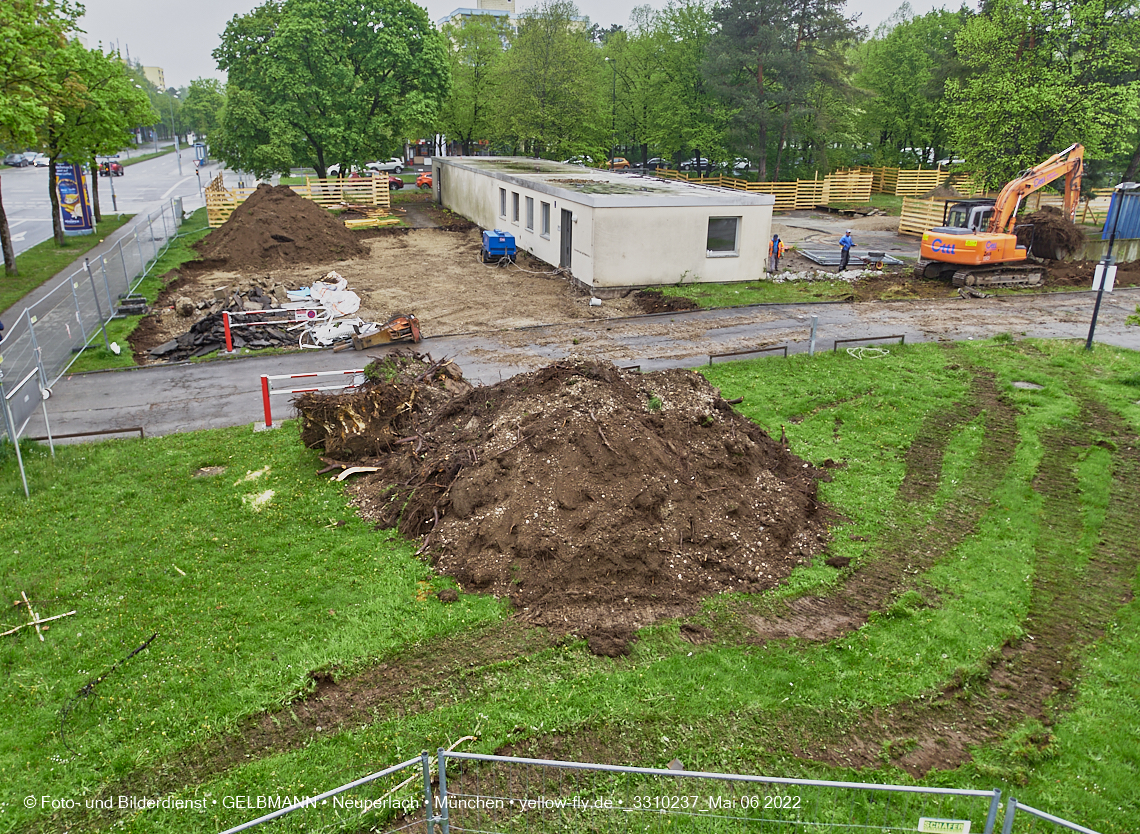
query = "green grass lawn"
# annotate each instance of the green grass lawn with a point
(43, 261)
(134, 160)
(260, 579)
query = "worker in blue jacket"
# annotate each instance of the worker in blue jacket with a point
(845, 244)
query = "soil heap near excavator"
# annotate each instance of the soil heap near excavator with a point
(598, 500)
(1055, 237)
(276, 226)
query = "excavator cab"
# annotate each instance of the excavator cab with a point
(971, 215)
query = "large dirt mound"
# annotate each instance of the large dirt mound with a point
(278, 227)
(597, 500)
(1054, 235)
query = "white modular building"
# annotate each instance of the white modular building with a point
(608, 229)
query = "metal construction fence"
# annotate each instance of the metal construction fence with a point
(48, 335)
(456, 791)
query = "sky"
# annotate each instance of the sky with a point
(180, 37)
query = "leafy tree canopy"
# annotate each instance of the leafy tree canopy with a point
(313, 82)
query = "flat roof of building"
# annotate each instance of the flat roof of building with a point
(601, 189)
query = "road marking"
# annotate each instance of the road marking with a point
(18, 237)
(169, 190)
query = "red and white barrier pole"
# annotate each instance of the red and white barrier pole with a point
(229, 335)
(265, 401)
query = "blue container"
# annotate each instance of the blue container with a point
(1126, 204)
(497, 245)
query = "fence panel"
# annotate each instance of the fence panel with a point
(919, 216)
(50, 333)
(369, 191)
(498, 794)
(1022, 819)
(913, 183)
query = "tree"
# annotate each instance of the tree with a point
(904, 69)
(313, 82)
(34, 32)
(1041, 77)
(202, 105)
(682, 112)
(97, 106)
(477, 48)
(551, 103)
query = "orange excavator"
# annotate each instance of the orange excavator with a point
(977, 242)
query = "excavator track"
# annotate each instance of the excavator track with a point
(998, 275)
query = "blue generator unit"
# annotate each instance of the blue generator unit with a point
(498, 245)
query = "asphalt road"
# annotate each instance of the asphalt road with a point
(172, 398)
(144, 184)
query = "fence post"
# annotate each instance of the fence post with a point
(165, 231)
(98, 309)
(10, 427)
(991, 817)
(443, 823)
(123, 261)
(107, 287)
(78, 310)
(811, 342)
(429, 815)
(142, 260)
(1010, 813)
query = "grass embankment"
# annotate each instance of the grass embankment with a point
(135, 160)
(96, 357)
(44, 261)
(254, 581)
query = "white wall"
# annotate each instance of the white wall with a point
(615, 246)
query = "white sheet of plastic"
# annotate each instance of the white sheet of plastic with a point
(330, 283)
(341, 303)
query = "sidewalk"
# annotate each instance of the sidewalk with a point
(174, 398)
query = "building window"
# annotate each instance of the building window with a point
(545, 220)
(530, 213)
(723, 239)
(514, 207)
(503, 203)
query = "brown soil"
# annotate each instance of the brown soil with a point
(1053, 234)
(1079, 274)
(655, 301)
(597, 500)
(275, 227)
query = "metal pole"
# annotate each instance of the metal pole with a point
(150, 228)
(107, 287)
(1107, 262)
(443, 823)
(1010, 813)
(811, 342)
(45, 392)
(123, 261)
(78, 309)
(10, 427)
(429, 811)
(98, 309)
(177, 150)
(991, 817)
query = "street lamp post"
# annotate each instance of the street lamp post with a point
(1106, 268)
(613, 114)
(177, 150)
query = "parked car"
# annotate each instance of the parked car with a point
(619, 163)
(111, 168)
(395, 182)
(424, 180)
(395, 165)
(740, 165)
(17, 160)
(658, 162)
(41, 160)
(690, 164)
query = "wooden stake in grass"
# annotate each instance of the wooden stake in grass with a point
(35, 619)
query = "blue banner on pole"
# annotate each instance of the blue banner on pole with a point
(73, 204)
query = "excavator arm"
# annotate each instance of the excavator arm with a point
(1068, 164)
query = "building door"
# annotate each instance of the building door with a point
(567, 239)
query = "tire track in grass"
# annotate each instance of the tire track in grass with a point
(910, 548)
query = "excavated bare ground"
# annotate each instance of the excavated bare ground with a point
(597, 500)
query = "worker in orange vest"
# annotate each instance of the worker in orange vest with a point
(775, 252)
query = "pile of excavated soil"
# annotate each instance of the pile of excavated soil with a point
(1054, 235)
(596, 500)
(278, 227)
